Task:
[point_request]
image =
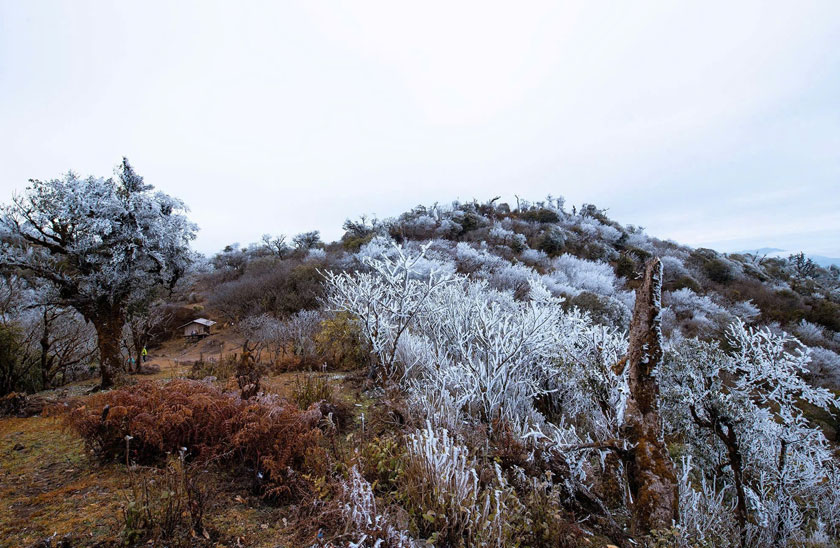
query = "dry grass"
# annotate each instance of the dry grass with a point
(48, 485)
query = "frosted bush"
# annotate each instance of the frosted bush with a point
(706, 510)
(442, 483)
(388, 299)
(316, 254)
(825, 367)
(500, 235)
(673, 267)
(587, 391)
(698, 311)
(366, 526)
(595, 229)
(572, 275)
(378, 247)
(448, 227)
(809, 332)
(511, 276)
(746, 310)
(740, 416)
(533, 257)
(425, 222)
(437, 405)
(639, 240)
(491, 350)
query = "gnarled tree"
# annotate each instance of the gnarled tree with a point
(97, 242)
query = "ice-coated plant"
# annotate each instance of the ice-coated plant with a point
(739, 415)
(441, 483)
(387, 299)
(365, 526)
(100, 244)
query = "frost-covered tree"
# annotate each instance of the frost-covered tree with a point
(97, 242)
(739, 414)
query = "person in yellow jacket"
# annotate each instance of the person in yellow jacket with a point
(144, 354)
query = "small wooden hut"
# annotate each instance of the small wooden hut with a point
(197, 329)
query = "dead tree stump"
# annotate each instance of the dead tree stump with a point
(650, 472)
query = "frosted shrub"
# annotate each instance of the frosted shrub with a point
(706, 511)
(448, 228)
(316, 254)
(697, 311)
(378, 247)
(809, 332)
(437, 404)
(265, 332)
(298, 332)
(594, 229)
(472, 260)
(573, 275)
(503, 236)
(673, 267)
(491, 351)
(441, 482)
(746, 310)
(364, 525)
(425, 223)
(640, 240)
(740, 417)
(533, 257)
(825, 366)
(500, 273)
(588, 367)
(511, 276)
(387, 300)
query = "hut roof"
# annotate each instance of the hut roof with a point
(201, 321)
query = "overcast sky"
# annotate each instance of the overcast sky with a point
(716, 124)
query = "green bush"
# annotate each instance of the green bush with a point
(540, 215)
(552, 242)
(341, 344)
(718, 271)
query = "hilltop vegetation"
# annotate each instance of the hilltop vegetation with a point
(478, 385)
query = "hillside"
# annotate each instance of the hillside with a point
(475, 374)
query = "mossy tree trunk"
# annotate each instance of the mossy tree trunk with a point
(108, 322)
(650, 472)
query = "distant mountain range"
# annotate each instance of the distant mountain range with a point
(824, 262)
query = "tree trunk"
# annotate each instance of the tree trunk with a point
(733, 449)
(650, 472)
(108, 325)
(45, 362)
